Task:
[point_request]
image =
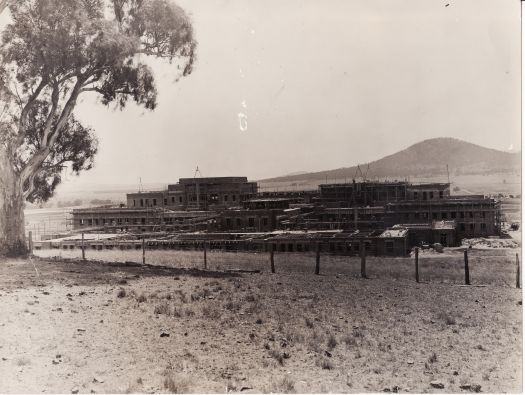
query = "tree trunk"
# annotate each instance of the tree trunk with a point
(12, 226)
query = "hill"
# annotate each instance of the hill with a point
(426, 159)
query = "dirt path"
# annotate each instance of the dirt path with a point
(91, 327)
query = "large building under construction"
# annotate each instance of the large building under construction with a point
(427, 211)
(212, 193)
(380, 193)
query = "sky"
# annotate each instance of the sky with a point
(282, 86)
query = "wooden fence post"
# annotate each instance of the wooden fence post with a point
(416, 251)
(83, 248)
(317, 257)
(272, 264)
(205, 260)
(363, 259)
(517, 271)
(467, 273)
(30, 244)
(143, 251)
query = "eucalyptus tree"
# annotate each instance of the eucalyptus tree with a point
(54, 51)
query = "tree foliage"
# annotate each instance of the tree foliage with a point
(53, 51)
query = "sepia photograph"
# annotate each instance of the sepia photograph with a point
(261, 196)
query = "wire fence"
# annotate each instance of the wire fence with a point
(479, 267)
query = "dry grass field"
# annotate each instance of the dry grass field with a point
(487, 266)
(69, 326)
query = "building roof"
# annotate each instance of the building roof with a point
(447, 200)
(394, 232)
(360, 209)
(413, 226)
(429, 184)
(212, 180)
(263, 200)
(115, 210)
(444, 224)
(144, 210)
(150, 192)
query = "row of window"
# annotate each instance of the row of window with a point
(146, 202)
(472, 227)
(251, 222)
(416, 215)
(119, 221)
(213, 198)
(382, 195)
(444, 215)
(427, 195)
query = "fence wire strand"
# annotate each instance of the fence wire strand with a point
(487, 267)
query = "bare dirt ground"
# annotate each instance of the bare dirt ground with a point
(99, 327)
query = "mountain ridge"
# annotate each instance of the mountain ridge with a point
(429, 157)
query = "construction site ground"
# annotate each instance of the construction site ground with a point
(98, 327)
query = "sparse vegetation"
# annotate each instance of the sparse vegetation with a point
(332, 342)
(345, 338)
(285, 386)
(211, 311)
(277, 355)
(162, 308)
(176, 385)
(232, 306)
(325, 363)
(309, 323)
(250, 298)
(433, 358)
(349, 339)
(22, 361)
(182, 296)
(447, 318)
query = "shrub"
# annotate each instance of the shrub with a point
(309, 323)
(162, 308)
(449, 319)
(249, 298)
(175, 385)
(286, 385)
(277, 356)
(433, 358)
(176, 312)
(232, 306)
(23, 361)
(349, 339)
(332, 342)
(182, 296)
(121, 293)
(325, 363)
(211, 311)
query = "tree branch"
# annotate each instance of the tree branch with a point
(51, 115)
(22, 123)
(31, 187)
(3, 5)
(40, 156)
